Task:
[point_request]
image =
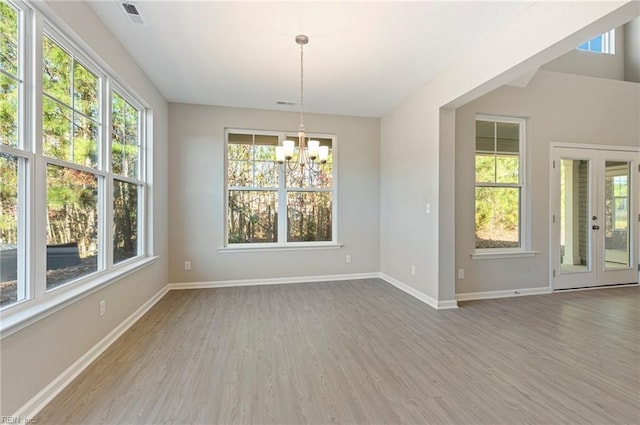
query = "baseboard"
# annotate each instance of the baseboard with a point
(272, 281)
(438, 305)
(502, 294)
(31, 408)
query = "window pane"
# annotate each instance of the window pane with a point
(497, 217)
(239, 152)
(485, 168)
(595, 44)
(252, 216)
(8, 110)
(85, 141)
(265, 173)
(125, 137)
(132, 141)
(56, 71)
(125, 220)
(617, 215)
(12, 283)
(8, 39)
(239, 173)
(117, 133)
(507, 169)
(508, 137)
(318, 176)
(309, 216)
(56, 126)
(485, 136)
(72, 224)
(85, 90)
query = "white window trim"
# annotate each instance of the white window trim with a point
(282, 244)
(524, 249)
(38, 20)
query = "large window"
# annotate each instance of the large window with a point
(15, 157)
(499, 188)
(269, 203)
(73, 182)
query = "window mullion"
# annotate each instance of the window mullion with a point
(282, 199)
(38, 184)
(106, 228)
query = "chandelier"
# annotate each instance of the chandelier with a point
(309, 151)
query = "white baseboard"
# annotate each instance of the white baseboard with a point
(272, 281)
(502, 294)
(438, 305)
(31, 408)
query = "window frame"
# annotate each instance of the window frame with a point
(35, 24)
(523, 225)
(282, 191)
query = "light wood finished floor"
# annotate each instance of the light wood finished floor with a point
(363, 352)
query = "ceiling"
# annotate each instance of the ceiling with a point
(363, 58)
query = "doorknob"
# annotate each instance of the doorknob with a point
(595, 227)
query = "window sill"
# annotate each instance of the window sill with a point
(14, 321)
(500, 255)
(277, 247)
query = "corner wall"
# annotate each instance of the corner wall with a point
(196, 202)
(36, 355)
(417, 156)
(559, 108)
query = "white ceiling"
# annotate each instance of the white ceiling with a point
(362, 59)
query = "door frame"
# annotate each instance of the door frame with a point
(554, 199)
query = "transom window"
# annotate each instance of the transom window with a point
(602, 43)
(269, 203)
(499, 187)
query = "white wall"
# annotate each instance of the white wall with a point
(417, 141)
(559, 108)
(196, 201)
(34, 356)
(593, 64)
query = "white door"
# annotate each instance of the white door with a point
(594, 206)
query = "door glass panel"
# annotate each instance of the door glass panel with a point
(574, 215)
(616, 210)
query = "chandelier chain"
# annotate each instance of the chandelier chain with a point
(301, 126)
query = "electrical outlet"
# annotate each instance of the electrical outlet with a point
(348, 259)
(187, 265)
(103, 307)
(460, 273)
(413, 270)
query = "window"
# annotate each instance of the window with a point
(603, 43)
(128, 187)
(87, 181)
(499, 188)
(268, 203)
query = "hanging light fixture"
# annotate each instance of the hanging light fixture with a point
(309, 151)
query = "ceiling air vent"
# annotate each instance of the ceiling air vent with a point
(131, 10)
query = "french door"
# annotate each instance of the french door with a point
(594, 210)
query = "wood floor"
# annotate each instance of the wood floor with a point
(363, 352)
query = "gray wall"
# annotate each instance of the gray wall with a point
(559, 108)
(632, 51)
(417, 137)
(196, 206)
(34, 356)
